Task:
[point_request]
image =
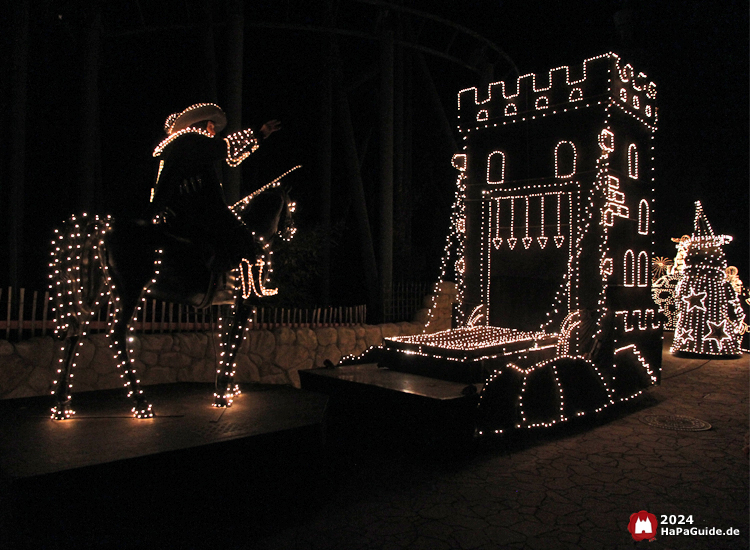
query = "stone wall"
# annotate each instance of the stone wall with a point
(28, 368)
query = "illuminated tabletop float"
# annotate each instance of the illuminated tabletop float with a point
(550, 246)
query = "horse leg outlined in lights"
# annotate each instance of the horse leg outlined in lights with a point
(230, 342)
(120, 336)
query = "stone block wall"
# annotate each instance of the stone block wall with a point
(28, 368)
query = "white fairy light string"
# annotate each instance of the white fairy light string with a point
(541, 239)
(512, 239)
(239, 205)
(497, 241)
(527, 240)
(559, 238)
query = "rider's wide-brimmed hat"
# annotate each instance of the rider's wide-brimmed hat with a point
(199, 112)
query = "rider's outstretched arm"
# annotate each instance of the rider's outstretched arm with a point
(242, 144)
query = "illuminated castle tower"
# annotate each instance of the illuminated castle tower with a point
(559, 199)
(551, 244)
(559, 195)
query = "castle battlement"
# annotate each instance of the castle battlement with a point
(601, 79)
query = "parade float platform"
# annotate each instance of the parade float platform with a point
(368, 398)
(192, 475)
(185, 426)
(461, 356)
(465, 355)
(425, 387)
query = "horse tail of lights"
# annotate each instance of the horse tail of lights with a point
(77, 284)
(77, 275)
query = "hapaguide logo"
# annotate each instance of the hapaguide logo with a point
(642, 526)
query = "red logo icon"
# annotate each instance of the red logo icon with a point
(642, 525)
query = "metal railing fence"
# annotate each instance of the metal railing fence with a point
(25, 314)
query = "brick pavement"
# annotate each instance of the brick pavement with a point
(574, 487)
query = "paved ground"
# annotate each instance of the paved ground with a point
(574, 487)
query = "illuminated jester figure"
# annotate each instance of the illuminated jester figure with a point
(187, 198)
(710, 316)
(732, 274)
(663, 287)
(679, 259)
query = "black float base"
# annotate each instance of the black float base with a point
(193, 476)
(381, 406)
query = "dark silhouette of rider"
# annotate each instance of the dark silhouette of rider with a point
(187, 200)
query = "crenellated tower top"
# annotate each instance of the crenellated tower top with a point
(597, 80)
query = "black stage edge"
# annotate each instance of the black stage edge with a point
(395, 407)
(194, 476)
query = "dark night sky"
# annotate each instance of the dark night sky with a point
(696, 52)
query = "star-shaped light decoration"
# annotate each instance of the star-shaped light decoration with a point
(684, 335)
(695, 300)
(718, 332)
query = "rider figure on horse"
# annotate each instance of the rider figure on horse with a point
(187, 200)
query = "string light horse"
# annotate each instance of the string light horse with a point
(97, 261)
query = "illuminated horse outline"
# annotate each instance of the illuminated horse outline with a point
(95, 262)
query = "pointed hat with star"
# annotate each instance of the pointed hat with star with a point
(702, 230)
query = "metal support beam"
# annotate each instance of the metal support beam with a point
(385, 247)
(353, 175)
(91, 178)
(325, 154)
(235, 53)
